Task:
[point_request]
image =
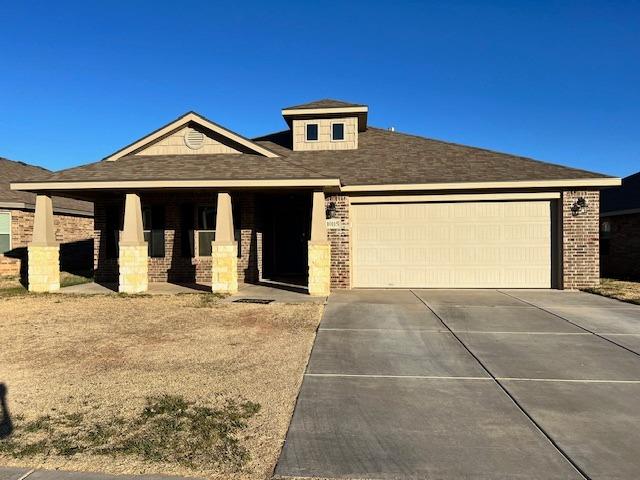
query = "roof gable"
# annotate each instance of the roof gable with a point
(216, 133)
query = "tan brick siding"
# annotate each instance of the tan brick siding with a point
(340, 240)
(580, 240)
(620, 253)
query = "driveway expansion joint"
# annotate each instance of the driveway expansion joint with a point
(599, 335)
(546, 435)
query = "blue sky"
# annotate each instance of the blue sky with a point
(557, 81)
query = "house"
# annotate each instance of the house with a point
(330, 202)
(620, 230)
(72, 222)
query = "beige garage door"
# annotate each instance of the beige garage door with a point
(452, 245)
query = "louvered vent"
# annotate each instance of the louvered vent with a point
(194, 139)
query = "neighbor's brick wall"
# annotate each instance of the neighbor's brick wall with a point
(622, 260)
(580, 240)
(340, 240)
(173, 266)
(69, 228)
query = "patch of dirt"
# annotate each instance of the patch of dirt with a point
(102, 356)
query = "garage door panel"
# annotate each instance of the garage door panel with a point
(452, 245)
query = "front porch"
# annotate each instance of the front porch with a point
(211, 238)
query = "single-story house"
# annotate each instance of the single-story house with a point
(72, 221)
(620, 230)
(329, 202)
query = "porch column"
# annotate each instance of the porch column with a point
(224, 249)
(132, 259)
(319, 249)
(43, 251)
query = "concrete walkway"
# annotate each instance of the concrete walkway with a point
(474, 384)
(24, 473)
(274, 291)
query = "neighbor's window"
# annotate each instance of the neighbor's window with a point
(153, 225)
(5, 232)
(206, 224)
(312, 132)
(337, 131)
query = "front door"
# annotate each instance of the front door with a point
(286, 233)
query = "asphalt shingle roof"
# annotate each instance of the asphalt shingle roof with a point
(324, 103)
(382, 157)
(12, 171)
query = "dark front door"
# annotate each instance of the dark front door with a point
(286, 233)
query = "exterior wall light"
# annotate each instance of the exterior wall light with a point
(578, 206)
(331, 210)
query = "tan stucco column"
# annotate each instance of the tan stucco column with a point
(44, 251)
(224, 249)
(133, 256)
(319, 249)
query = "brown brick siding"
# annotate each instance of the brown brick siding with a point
(620, 253)
(173, 266)
(580, 240)
(69, 229)
(340, 240)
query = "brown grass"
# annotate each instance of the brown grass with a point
(100, 357)
(618, 289)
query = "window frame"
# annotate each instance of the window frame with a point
(306, 136)
(344, 132)
(151, 209)
(8, 212)
(197, 229)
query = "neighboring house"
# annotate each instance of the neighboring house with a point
(73, 220)
(620, 230)
(330, 202)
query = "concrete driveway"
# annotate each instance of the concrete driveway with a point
(474, 384)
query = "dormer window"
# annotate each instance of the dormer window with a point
(337, 132)
(312, 132)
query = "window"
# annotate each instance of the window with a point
(153, 225)
(312, 132)
(206, 224)
(206, 229)
(5, 232)
(187, 216)
(337, 131)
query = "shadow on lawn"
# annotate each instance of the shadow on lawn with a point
(6, 426)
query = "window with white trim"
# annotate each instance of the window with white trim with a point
(311, 132)
(337, 132)
(206, 230)
(5, 232)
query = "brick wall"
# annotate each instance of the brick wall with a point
(174, 267)
(580, 240)
(620, 252)
(69, 229)
(340, 240)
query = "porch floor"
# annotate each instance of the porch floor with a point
(264, 291)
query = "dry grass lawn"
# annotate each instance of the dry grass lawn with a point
(87, 359)
(618, 289)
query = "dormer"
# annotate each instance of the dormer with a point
(326, 125)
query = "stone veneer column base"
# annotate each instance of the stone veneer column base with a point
(319, 268)
(224, 267)
(133, 265)
(44, 268)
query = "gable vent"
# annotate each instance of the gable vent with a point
(194, 139)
